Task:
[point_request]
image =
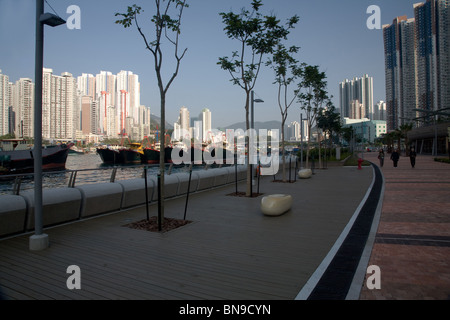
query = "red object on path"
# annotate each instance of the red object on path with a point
(360, 161)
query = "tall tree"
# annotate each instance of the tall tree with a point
(329, 121)
(287, 72)
(165, 28)
(257, 35)
(403, 131)
(312, 99)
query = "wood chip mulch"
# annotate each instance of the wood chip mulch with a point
(287, 181)
(152, 224)
(243, 194)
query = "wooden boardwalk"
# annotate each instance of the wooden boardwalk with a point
(229, 252)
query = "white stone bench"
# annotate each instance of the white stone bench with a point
(171, 185)
(220, 176)
(183, 177)
(205, 179)
(134, 191)
(100, 198)
(13, 211)
(59, 205)
(305, 173)
(276, 204)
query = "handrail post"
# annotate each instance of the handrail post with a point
(189, 187)
(73, 176)
(146, 191)
(16, 189)
(113, 175)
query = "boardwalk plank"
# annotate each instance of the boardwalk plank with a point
(230, 251)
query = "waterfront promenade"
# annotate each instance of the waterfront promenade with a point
(231, 251)
(412, 243)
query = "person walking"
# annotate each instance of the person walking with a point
(395, 156)
(381, 157)
(412, 157)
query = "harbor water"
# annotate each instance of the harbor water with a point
(89, 169)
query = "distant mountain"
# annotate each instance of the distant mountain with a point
(155, 121)
(268, 125)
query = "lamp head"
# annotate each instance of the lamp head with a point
(51, 20)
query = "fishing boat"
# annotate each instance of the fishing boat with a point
(109, 155)
(76, 151)
(132, 155)
(151, 156)
(17, 156)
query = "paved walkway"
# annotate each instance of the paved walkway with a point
(231, 251)
(318, 250)
(412, 243)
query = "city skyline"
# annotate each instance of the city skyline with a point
(332, 35)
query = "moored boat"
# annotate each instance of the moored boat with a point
(132, 155)
(17, 156)
(151, 156)
(109, 155)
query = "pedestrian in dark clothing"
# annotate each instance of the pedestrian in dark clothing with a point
(412, 157)
(395, 156)
(381, 157)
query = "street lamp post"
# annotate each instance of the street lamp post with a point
(39, 240)
(252, 127)
(301, 140)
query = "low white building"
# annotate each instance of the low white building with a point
(369, 130)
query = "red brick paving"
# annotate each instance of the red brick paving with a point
(416, 202)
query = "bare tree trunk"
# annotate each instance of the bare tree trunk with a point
(162, 155)
(247, 140)
(282, 149)
(309, 141)
(320, 142)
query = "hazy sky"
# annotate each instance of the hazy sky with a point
(332, 34)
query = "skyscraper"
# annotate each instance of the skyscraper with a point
(417, 62)
(380, 111)
(432, 44)
(61, 106)
(400, 71)
(356, 92)
(5, 103)
(23, 104)
(443, 38)
(184, 118)
(86, 85)
(205, 118)
(105, 81)
(86, 114)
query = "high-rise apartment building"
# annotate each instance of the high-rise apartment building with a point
(380, 111)
(294, 131)
(356, 92)
(61, 106)
(105, 81)
(184, 119)
(417, 63)
(182, 125)
(104, 104)
(432, 44)
(5, 103)
(400, 71)
(86, 85)
(23, 104)
(144, 117)
(86, 115)
(205, 118)
(443, 39)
